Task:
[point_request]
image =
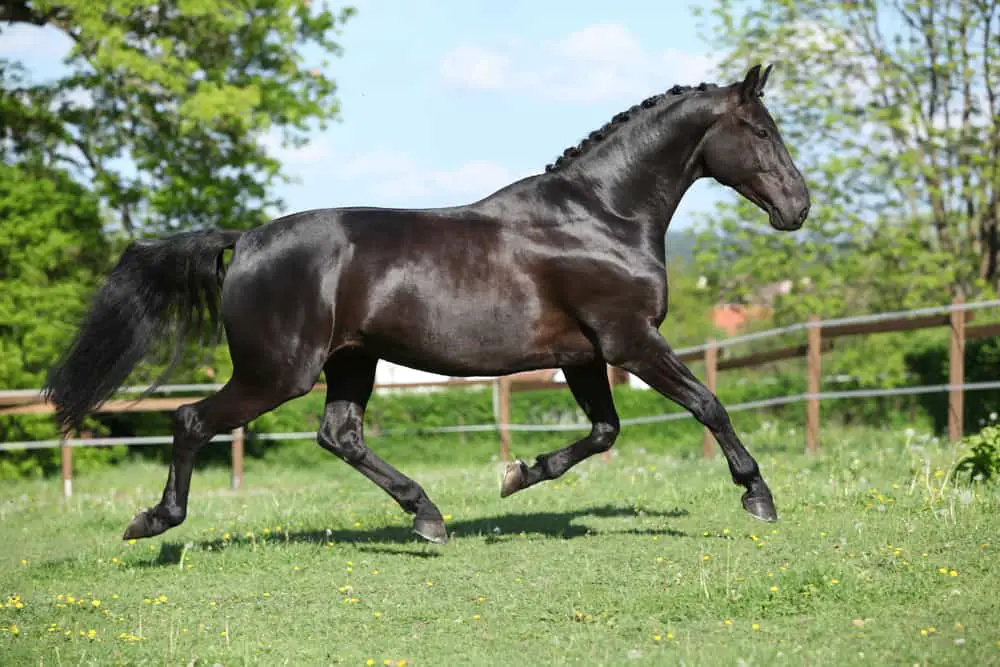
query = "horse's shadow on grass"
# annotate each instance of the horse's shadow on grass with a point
(496, 530)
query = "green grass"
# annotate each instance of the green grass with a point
(646, 560)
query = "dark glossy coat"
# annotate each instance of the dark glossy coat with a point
(562, 269)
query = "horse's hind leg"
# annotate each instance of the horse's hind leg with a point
(589, 384)
(194, 425)
(350, 378)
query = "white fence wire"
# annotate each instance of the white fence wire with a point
(536, 428)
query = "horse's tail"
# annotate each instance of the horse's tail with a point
(159, 287)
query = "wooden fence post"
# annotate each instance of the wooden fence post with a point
(956, 373)
(237, 458)
(503, 410)
(67, 467)
(711, 371)
(814, 351)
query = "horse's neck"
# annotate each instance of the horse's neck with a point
(643, 181)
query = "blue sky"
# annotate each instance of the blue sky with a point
(443, 102)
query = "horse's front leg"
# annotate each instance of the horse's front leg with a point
(645, 354)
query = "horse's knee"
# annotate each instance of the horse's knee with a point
(709, 411)
(340, 434)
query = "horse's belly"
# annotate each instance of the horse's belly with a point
(477, 338)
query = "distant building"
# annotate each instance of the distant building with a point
(734, 317)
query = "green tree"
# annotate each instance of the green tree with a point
(164, 103)
(891, 109)
(52, 252)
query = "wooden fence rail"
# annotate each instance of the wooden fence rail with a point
(819, 340)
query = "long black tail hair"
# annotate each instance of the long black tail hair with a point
(160, 289)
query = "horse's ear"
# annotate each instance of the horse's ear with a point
(749, 87)
(763, 80)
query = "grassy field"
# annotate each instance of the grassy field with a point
(879, 558)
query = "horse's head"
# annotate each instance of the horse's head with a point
(744, 150)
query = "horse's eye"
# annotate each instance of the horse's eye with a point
(761, 133)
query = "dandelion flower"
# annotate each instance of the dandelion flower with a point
(755, 626)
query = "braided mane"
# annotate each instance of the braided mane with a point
(620, 119)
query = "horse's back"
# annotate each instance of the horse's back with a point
(445, 290)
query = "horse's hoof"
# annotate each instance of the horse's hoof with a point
(513, 478)
(432, 530)
(142, 525)
(760, 505)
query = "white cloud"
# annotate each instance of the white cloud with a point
(398, 177)
(598, 63)
(474, 67)
(317, 149)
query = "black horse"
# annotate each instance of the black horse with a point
(562, 269)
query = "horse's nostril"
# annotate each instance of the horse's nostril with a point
(803, 214)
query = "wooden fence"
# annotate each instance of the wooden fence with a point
(820, 337)
(819, 340)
